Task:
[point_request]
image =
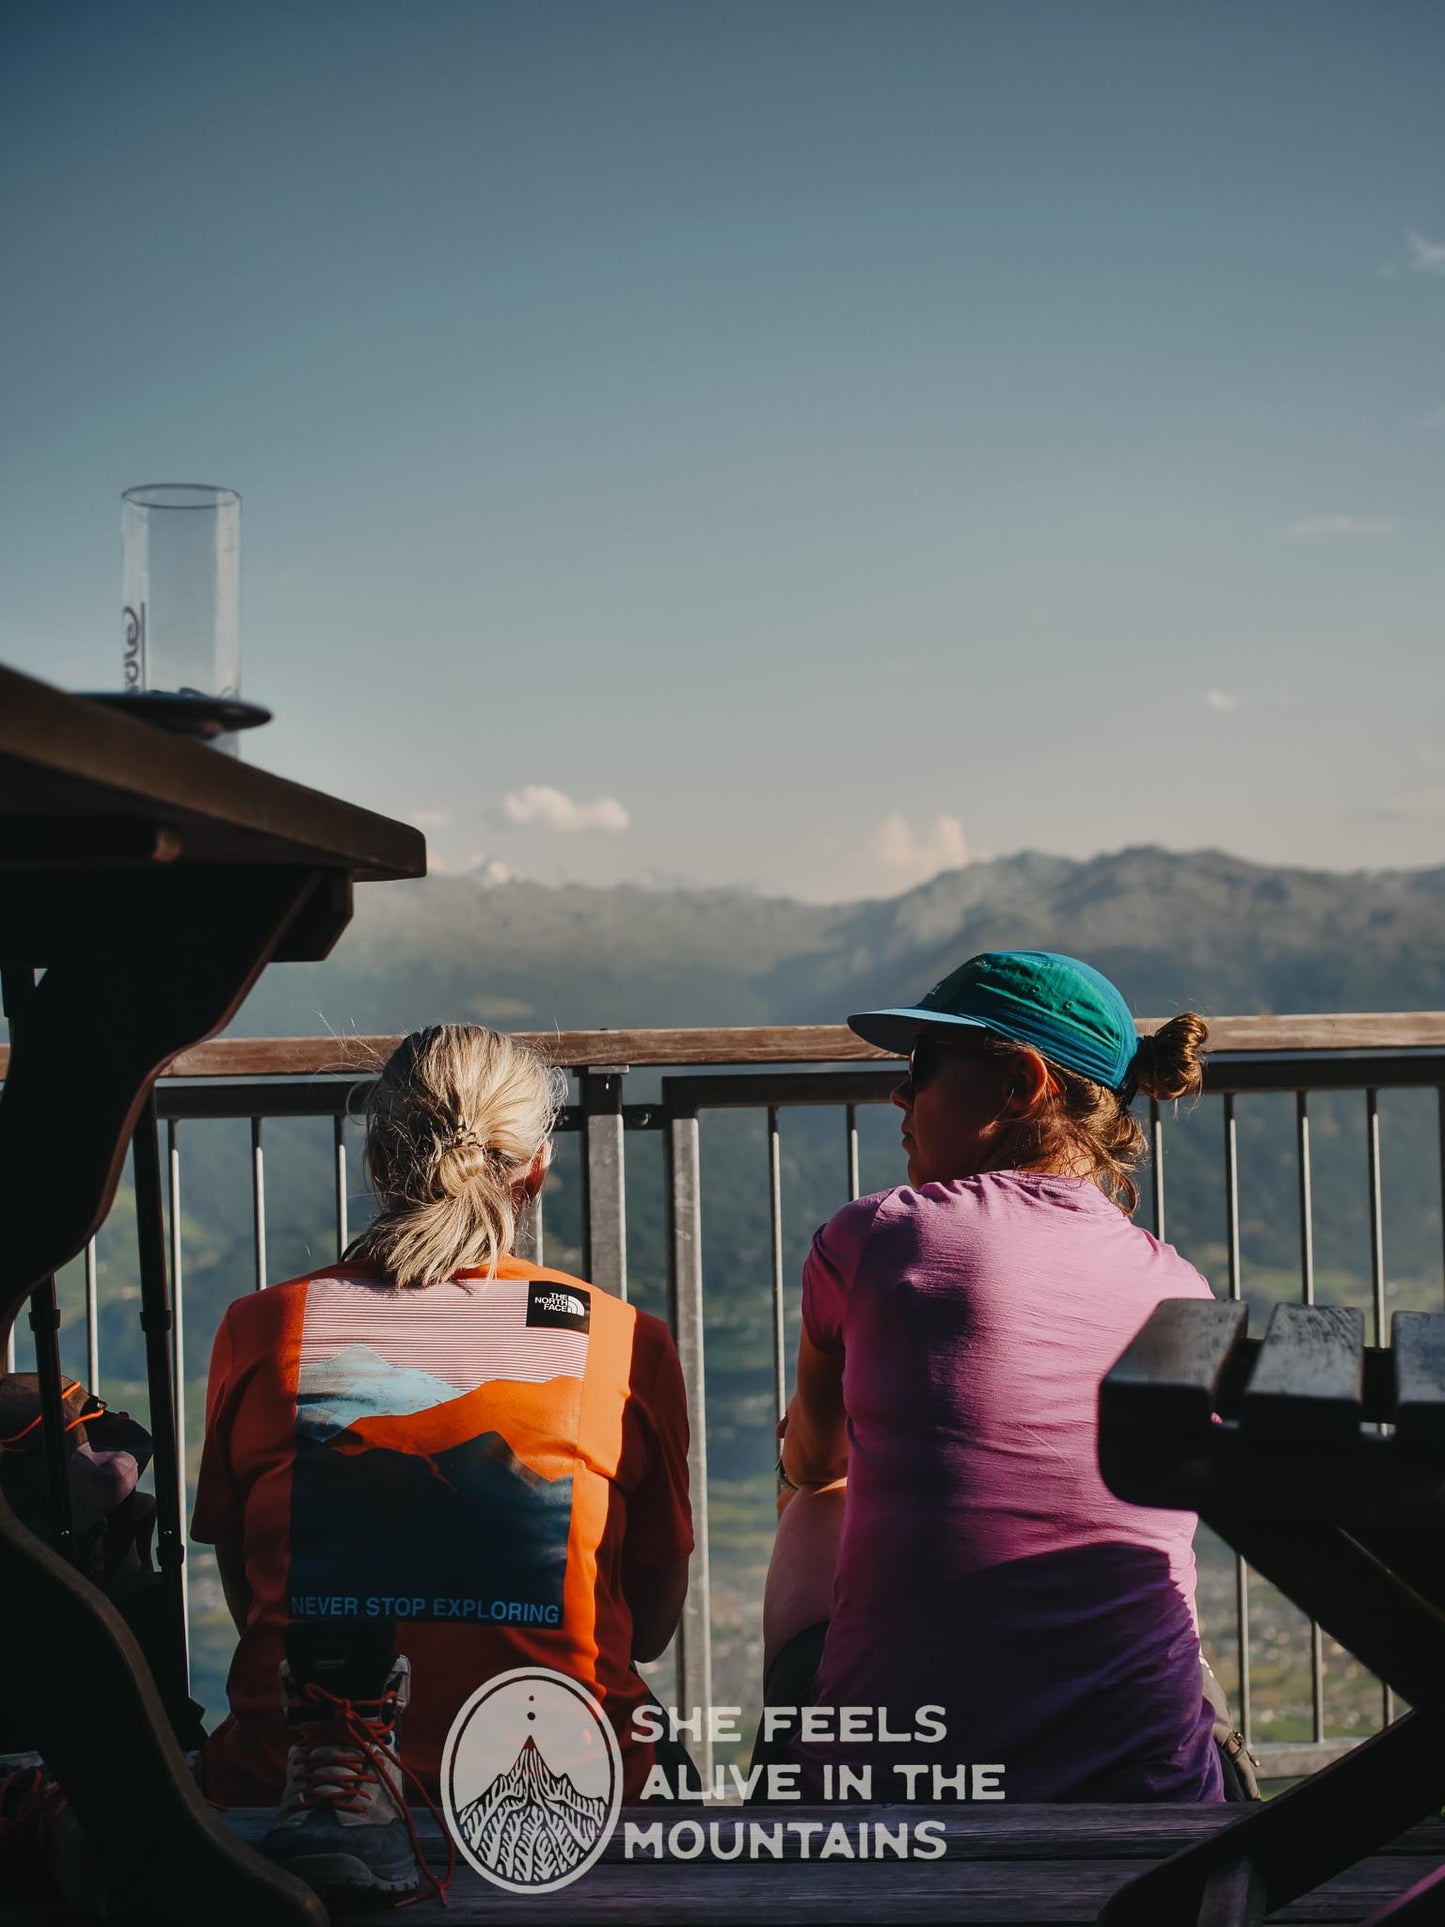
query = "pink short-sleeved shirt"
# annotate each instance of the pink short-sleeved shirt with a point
(985, 1566)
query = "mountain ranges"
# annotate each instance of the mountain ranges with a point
(1201, 930)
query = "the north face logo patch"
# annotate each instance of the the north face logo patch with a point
(558, 1306)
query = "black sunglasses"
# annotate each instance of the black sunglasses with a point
(928, 1054)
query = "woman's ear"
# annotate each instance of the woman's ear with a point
(1029, 1080)
(535, 1175)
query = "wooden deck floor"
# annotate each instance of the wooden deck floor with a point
(1015, 1864)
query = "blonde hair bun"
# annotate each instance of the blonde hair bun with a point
(453, 1124)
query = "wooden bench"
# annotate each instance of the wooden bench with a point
(1322, 1461)
(1002, 1864)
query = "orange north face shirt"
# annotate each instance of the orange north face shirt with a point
(470, 1461)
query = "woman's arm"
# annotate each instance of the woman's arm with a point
(654, 1595)
(815, 1436)
(799, 1591)
(658, 1538)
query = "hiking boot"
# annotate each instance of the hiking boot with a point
(343, 1825)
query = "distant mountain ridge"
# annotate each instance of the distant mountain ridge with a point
(1202, 929)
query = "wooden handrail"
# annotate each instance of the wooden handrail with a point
(776, 1044)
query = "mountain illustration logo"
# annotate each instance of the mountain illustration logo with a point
(531, 1780)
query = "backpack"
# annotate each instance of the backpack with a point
(112, 1522)
(1237, 1764)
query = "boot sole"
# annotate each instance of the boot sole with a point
(341, 1877)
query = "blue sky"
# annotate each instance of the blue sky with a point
(793, 442)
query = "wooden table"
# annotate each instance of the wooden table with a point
(150, 879)
(1322, 1462)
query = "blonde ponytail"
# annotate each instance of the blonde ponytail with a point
(454, 1123)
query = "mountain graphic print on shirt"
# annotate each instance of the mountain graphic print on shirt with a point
(409, 1499)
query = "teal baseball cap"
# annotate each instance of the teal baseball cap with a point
(1068, 1011)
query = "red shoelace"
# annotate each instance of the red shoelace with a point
(10, 1444)
(31, 1803)
(361, 1728)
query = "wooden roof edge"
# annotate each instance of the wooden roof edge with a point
(131, 766)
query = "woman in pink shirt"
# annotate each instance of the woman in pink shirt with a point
(949, 1544)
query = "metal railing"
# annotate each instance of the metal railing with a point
(774, 1073)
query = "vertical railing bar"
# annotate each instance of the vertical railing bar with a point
(258, 1201)
(604, 1182)
(685, 1304)
(1377, 1279)
(45, 1325)
(1231, 1192)
(1440, 1138)
(12, 995)
(852, 1131)
(1377, 1215)
(1241, 1571)
(1156, 1165)
(775, 1224)
(92, 1320)
(338, 1139)
(157, 1324)
(1317, 1682)
(173, 1172)
(1306, 1198)
(178, 1367)
(1307, 1295)
(1241, 1612)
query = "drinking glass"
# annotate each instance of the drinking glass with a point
(182, 590)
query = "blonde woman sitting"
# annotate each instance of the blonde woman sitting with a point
(427, 1464)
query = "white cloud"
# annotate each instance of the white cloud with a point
(914, 858)
(1311, 527)
(539, 806)
(1435, 419)
(491, 869)
(1426, 257)
(432, 819)
(1216, 700)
